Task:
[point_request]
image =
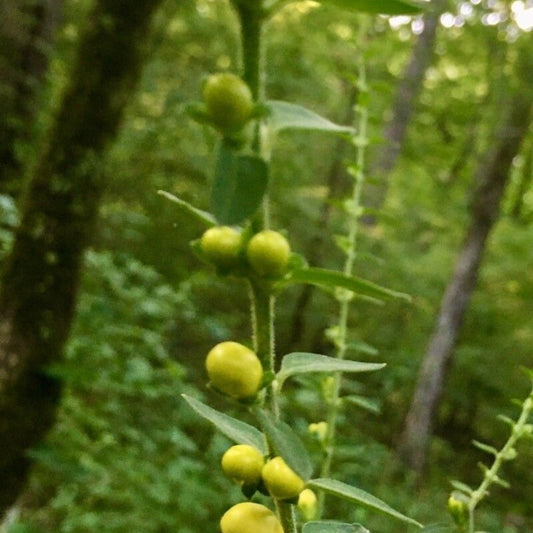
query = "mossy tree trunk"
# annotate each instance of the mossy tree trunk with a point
(491, 179)
(26, 39)
(41, 275)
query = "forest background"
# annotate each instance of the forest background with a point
(125, 453)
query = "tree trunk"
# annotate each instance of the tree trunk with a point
(403, 107)
(41, 275)
(26, 38)
(491, 178)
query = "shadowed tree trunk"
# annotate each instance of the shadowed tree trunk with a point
(41, 275)
(491, 179)
(26, 38)
(403, 107)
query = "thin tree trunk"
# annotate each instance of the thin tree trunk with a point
(41, 275)
(403, 107)
(491, 179)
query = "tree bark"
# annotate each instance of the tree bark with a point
(491, 179)
(26, 38)
(403, 107)
(41, 275)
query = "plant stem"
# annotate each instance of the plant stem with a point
(262, 305)
(252, 17)
(287, 516)
(354, 210)
(505, 454)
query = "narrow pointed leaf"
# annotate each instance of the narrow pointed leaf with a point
(236, 430)
(203, 216)
(286, 443)
(364, 403)
(330, 526)
(239, 186)
(485, 447)
(305, 363)
(286, 116)
(363, 347)
(331, 279)
(355, 495)
(382, 7)
(461, 487)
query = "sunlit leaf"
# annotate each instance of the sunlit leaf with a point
(286, 116)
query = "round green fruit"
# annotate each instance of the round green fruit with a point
(243, 463)
(221, 245)
(234, 370)
(229, 102)
(248, 517)
(268, 253)
(280, 480)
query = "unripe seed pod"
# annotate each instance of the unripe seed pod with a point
(234, 370)
(248, 517)
(280, 480)
(243, 463)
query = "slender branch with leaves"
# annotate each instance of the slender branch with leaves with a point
(464, 500)
(269, 460)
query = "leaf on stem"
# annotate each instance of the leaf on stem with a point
(355, 495)
(306, 363)
(286, 116)
(236, 430)
(381, 7)
(485, 447)
(285, 443)
(203, 216)
(331, 279)
(330, 526)
(240, 183)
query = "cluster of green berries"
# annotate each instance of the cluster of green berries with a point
(245, 465)
(234, 369)
(266, 253)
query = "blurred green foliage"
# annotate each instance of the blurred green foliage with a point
(127, 454)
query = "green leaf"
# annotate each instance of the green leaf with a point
(330, 526)
(203, 216)
(355, 495)
(240, 184)
(330, 279)
(461, 487)
(382, 7)
(364, 403)
(286, 116)
(485, 447)
(237, 431)
(360, 346)
(286, 443)
(305, 363)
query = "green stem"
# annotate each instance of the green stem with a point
(251, 18)
(360, 142)
(491, 475)
(262, 304)
(287, 516)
